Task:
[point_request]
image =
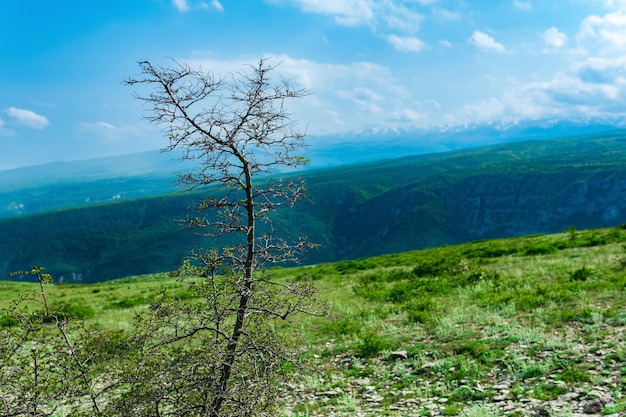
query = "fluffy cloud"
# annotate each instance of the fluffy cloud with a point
(483, 41)
(406, 43)
(27, 118)
(553, 38)
(595, 87)
(346, 97)
(594, 84)
(604, 34)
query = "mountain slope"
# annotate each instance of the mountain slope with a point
(356, 211)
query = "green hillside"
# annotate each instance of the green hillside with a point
(354, 211)
(511, 327)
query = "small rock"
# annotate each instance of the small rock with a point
(541, 411)
(347, 360)
(593, 407)
(427, 365)
(334, 393)
(503, 385)
(569, 396)
(399, 355)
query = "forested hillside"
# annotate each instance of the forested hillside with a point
(355, 211)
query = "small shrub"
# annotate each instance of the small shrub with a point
(571, 230)
(540, 250)
(531, 371)
(572, 375)
(418, 311)
(343, 327)
(482, 276)
(70, 311)
(399, 275)
(7, 321)
(581, 274)
(461, 394)
(370, 289)
(435, 267)
(352, 266)
(129, 302)
(489, 252)
(399, 292)
(106, 341)
(453, 410)
(484, 351)
(372, 344)
(548, 392)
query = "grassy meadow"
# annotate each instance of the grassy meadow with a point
(443, 326)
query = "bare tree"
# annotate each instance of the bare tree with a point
(220, 355)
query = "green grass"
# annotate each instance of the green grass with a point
(529, 308)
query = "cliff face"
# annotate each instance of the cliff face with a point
(453, 209)
(486, 207)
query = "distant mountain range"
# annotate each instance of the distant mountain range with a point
(356, 210)
(60, 185)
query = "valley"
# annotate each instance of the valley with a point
(354, 211)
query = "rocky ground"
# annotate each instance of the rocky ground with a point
(575, 374)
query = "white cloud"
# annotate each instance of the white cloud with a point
(445, 43)
(409, 115)
(401, 19)
(346, 12)
(181, 5)
(381, 16)
(604, 34)
(217, 5)
(483, 41)
(107, 132)
(406, 43)
(553, 38)
(445, 14)
(98, 126)
(365, 100)
(484, 110)
(4, 131)
(27, 118)
(595, 87)
(522, 5)
(346, 97)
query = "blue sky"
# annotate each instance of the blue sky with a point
(369, 64)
